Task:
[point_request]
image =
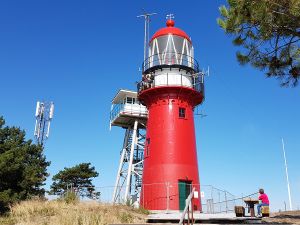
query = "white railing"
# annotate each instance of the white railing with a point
(181, 80)
(170, 59)
(128, 109)
(187, 209)
(213, 200)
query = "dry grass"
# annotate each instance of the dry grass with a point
(290, 217)
(61, 213)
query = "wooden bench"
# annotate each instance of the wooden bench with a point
(239, 211)
(265, 211)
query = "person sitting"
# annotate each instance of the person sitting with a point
(264, 201)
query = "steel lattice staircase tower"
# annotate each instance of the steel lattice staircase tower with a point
(128, 113)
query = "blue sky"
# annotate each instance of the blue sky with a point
(79, 53)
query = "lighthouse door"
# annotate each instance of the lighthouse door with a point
(184, 189)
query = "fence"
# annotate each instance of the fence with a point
(213, 200)
(129, 109)
(171, 79)
(170, 59)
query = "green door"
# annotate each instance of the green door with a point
(184, 189)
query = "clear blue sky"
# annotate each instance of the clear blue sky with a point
(79, 53)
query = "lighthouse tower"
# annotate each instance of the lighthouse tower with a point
(171, 87)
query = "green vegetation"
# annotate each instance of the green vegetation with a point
(70, 197)
(77, 179)
(80, 213)
(142, 210)
(269, 32)
(22, 167)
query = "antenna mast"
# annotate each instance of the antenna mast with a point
(287, 175)
(43, 114)
(146, 34)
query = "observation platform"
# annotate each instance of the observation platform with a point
(126, 109)
(170, 60)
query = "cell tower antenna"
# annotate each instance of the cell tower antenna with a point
(43, 116)
(146, 31)
(287, 175)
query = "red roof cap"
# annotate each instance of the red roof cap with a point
(170, 29)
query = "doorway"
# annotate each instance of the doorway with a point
(184, 189)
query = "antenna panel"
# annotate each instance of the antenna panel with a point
(48, 130)
(35, 128)
(51, 110)
(37, 111)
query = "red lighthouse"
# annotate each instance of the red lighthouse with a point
(171, 88)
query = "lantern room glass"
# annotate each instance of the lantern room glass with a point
(169, 50)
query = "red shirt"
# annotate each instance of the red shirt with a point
(264, 198)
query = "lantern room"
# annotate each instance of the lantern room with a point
(170, 46)
(171, 60)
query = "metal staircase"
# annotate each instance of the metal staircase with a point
(129, 179)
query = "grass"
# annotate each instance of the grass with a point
(59, 212)
(287, 217)
(78, 213)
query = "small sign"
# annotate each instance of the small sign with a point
(196, 194)
(202, 194)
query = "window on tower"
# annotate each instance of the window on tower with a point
(147, 147)
(130, 100)
(181, 112)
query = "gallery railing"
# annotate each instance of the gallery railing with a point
(195, 82)
(168, 59)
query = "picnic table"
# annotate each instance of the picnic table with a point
(251, 203)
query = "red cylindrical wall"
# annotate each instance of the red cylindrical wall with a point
(170, 150)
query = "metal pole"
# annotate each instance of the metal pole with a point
(114, 197)
(145, 36)
(143, 188)
(146, 31)
(284, 206)
(220, 201)
(167, 79)
(128, 183)
(212, 200)
(226, 202)
(287, 175)
(187, 202)
(168, 196)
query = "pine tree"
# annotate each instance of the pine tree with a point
(22, 167)
(77, 179)
(269, 32)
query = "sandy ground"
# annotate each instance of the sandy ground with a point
(291, 217)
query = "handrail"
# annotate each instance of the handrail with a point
(130, 109)
(188, 204)
(196, 84)
(170, 58)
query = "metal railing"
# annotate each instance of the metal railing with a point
(187, 209)
(213, 200)
(126, 108)
(168, 59)
(181, 80)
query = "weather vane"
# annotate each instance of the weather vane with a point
(170, 16)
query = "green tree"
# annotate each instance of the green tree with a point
(269, 32)
(22, 167)
(76, 179)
